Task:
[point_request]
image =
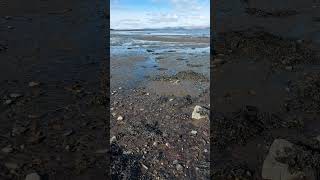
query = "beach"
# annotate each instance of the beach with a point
(157, 79)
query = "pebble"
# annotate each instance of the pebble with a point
(144, 166)
(194, 132)
(196, 114)
(179, 167)
(7, 149)
(7, 102)
(171, 99)
(175, 162)
(287, 89)
(33, 84)
(148, 94)
(15, 95)
(113, 139)
(68, 133)
(33, 176)
(120, 118)
(176, 82)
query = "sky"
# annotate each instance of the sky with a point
(138, 14)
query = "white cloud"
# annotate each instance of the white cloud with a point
(180, 13)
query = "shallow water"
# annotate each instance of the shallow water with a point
(134, 59)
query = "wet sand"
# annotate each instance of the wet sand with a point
(151, 118)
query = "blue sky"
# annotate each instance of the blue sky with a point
(136, 14)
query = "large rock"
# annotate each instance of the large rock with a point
(200, 113)
(275, 170)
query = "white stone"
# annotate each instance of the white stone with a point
(194, 132)
(120, 118)
(113, 139)
(15, 95)
(33, 84)
(7, 102)
(197, 113)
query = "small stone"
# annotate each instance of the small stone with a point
(33, 84)
(144, 166)
(33, 176)
(120, 118)
(148, 94)
(171, 99)
(175, 162)
(287, 89)
(68, 132)
(18, 130)
(127, 152)
(7, 149)
(113, 114)
(193, 132)
(120, 88)
(179, 167)
(7, 102)
(15, 95)
(155, 144)
(200, 113)
(176, 82)
(113, 139)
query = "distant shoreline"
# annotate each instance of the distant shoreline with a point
(166, 28)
